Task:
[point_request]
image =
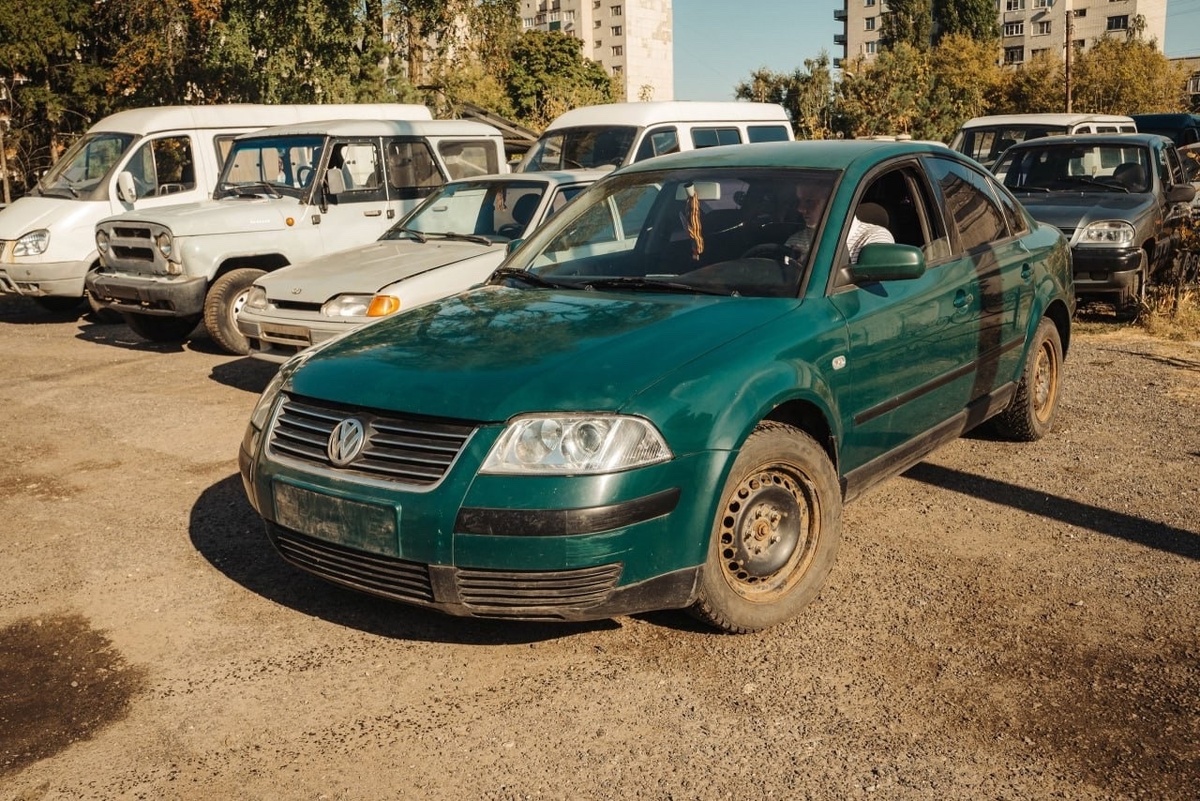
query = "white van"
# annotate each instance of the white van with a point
(985, 138)
(622, 133)
(286, 194)
(173, 153)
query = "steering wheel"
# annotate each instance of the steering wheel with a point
(304, 175)
(511, 230)
(766, 250)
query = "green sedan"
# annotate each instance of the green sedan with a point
(663, 398)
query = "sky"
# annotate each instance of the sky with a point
(716, 48)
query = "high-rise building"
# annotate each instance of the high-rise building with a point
(1026, 26)
(630, 38)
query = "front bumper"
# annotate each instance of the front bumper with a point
(517, 547)
(1106, 271)
(277, 339)
(164, 296)
(59, 279)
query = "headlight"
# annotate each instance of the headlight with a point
(256, 298)
(575, 444)
(383, 305)
(347, 306)
(1111, 233)
(33, 243)
(163, 241)
(101, 241)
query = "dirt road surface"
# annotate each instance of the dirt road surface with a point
(1004, 621)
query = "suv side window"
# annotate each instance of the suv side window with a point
(468, 159)
(362, 170)
(969, 202)
(412, 171)
(658, 142)
(163, 166)
(1177, 174)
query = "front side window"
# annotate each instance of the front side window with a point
(271, 165)
(743, 231)
(580, 148)
(163, 166)
(412, 171)
(362, 171)
(82, 171)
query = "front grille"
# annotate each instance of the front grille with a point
(388, 576)
(406, 449)
(126, 232)
(496, 592)
(132, 253)
(295, 305)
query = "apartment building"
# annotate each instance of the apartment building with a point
(1026, 26)
(632, 39)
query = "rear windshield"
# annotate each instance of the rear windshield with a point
(580, 148)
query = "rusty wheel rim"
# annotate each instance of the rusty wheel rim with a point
(1045, 382)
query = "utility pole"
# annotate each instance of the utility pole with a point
(4, 118)
(1069, 28)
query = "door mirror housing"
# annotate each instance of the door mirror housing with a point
(1181, 193)
(126, 189)
(887, 262)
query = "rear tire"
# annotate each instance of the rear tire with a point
(1030, 415)
(776, 532)
(162, 329)
(225, 298)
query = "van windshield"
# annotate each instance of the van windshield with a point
(82, 172)
(580, 148)
(271, 165)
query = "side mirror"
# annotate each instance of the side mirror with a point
(513, 244)
(126, 190)
(887, 262)
(1181, 193)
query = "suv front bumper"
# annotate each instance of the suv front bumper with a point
(164, 296)
(1106, 271)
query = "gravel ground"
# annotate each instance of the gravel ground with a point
(1004, 621)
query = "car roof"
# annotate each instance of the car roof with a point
(653, 112)
(1147, 139)
(349, 127)
(816, 154)
(1043, 119)
(551, 177)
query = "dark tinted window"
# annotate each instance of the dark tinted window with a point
(969, 204)
(711, 137)
(658, 142)
(767, 133)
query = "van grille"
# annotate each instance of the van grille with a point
(410, 450)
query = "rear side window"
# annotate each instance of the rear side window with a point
(412, 171)
(711, 137)
(767, 133)
(469, 159)
(969, 203)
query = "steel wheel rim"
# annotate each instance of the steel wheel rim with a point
(1045, 382)
(239, 302)
(768, 532)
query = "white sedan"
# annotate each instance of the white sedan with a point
(451, 242)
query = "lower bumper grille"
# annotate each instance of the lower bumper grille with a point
(501, 592)
(387, 576)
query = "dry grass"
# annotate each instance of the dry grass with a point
(1172, 315)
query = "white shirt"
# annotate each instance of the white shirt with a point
(863, 233)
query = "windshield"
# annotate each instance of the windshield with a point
(1111, 167)
(580, 148)
(84, 169)
(728, 231)
(497, 210)
(270, 165)
(986, 144)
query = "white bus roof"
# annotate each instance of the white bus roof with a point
(250, 115)
(381, 127)
(1043, 119)
(652, 113)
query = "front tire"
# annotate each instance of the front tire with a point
(225, 298)
(776, 532)
(162, 329)
(1030, 415)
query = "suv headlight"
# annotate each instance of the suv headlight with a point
(575, 444)
(33, 243)
(256, 298)
(165, 244)
(1109, 233)
(101, 240)
(347, 306)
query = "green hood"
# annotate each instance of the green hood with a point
(494, 352)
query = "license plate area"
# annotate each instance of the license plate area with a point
(364, 526)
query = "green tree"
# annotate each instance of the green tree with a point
(907, 22)
(964, 80)
(806, 94)
(1035, 86)
(1129, 76)
(885, 96)
(549, 75)
(975, 19)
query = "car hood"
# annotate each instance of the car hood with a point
(1067, 210)
(243, 215)
(32, 213)
(369, 268)
(495, 352)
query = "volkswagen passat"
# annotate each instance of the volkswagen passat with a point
(664, 397)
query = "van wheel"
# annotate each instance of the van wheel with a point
(775, 535)
(225, 299)
(162, 329)
(1030, 415)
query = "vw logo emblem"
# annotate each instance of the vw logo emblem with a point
(296, 290)
(345, 442)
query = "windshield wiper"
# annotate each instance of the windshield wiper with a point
(1028, 188)
(57, 191)
(482, 240)
(255, 189)
(636, 282)
(1090, 181)
(413, 232)
(523, 275)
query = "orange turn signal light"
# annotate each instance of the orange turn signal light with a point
(383, 305)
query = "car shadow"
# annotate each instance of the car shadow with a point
(1159, 536)
(227, 532)
(119, 335)
(21, 310)
(246, 374)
